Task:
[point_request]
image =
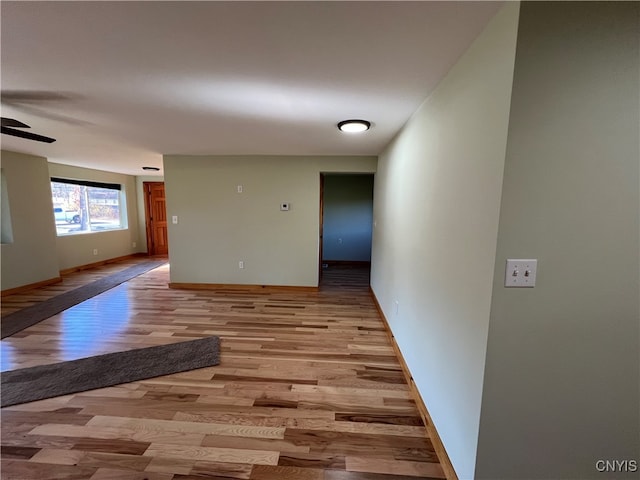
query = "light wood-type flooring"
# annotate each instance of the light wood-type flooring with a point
(308, 388)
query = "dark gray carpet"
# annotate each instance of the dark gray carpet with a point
(28, 316)
(46, 381)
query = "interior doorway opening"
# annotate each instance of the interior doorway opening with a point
(346, 222)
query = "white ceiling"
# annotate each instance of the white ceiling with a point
(126, 82)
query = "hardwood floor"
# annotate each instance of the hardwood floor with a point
(70, 281)
(308, 388)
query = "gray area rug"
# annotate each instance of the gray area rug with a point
(46, 381)
(28, 316)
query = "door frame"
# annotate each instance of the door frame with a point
(146, 186)
(320, 231)
(323, 176)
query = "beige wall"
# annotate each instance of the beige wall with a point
(32, 256)
(436, 208)
(562, 367)
(36, 253)
(219, 227)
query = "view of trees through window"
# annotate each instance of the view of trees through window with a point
(79, 208)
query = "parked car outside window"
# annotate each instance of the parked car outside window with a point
(69, 216)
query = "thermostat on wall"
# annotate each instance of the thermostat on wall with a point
(285, 206)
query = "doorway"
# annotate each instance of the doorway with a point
(346, 222)
(156, 218)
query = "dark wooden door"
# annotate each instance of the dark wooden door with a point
(156, 213)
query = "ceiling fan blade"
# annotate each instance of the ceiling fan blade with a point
(33, 96)
(30, 136)
(10, 122)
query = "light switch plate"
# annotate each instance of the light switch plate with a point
(521, 272)
(174, 219)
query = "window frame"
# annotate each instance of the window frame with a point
(121, 204)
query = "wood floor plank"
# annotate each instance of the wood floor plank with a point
(116, 474)
(23, 439)
(280, 472)
(353, 444)
(308, 387)
(114, 460)
(316, 460)
(170, 465)
(378, 465)
(152, 425)
(345, 475)
(349, 390)
(26, 470)
(119, 433)
(357, 427)
(19, 452)
(222, 469)
(65, 418)
(282, 446)
(58, 456)
(127, 447)
(213, 454)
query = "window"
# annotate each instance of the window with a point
(5, 211)
(82, 206)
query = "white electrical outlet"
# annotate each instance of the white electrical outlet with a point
(174, 219)
(240, 264)
(521, 272)
(95, 251)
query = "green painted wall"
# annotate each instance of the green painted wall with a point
(562, 368)
(436, 208)
(219, 227)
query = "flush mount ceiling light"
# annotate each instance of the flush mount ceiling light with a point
(151, 169)
(354, 126)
